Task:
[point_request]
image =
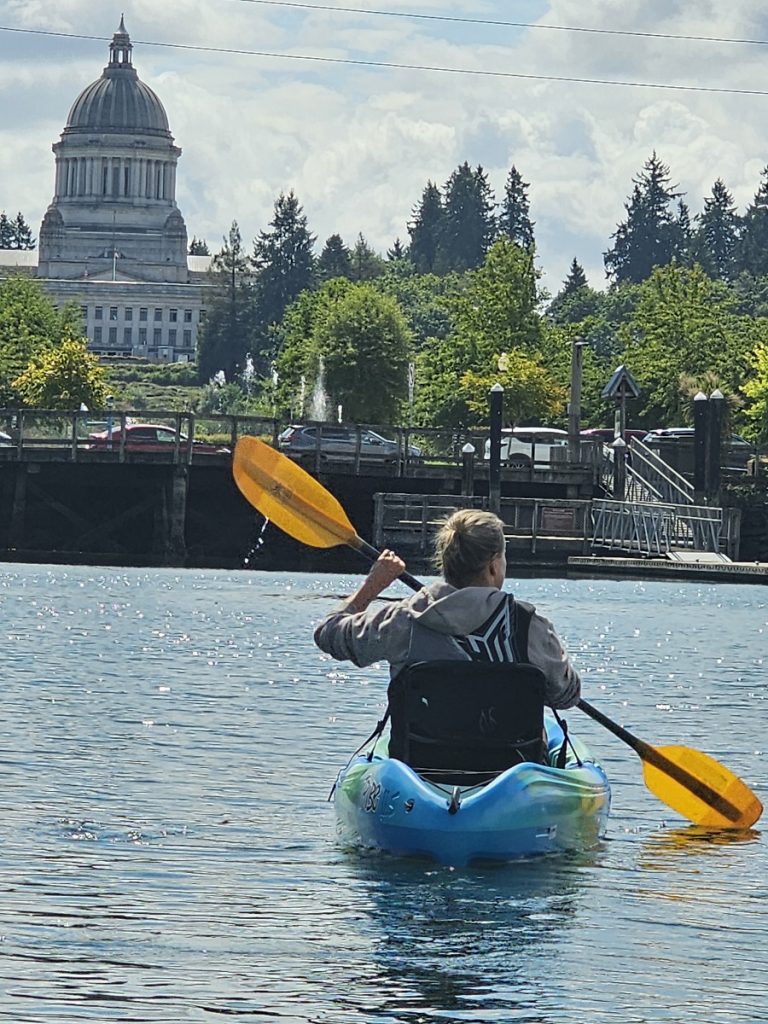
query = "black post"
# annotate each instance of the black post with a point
(468, 470)
(574, 405)
(494, 468)
(619, 448)
(716, 409)
(700, 431)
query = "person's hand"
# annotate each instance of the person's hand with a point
(385, 570)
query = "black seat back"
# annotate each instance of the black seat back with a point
(463, 722)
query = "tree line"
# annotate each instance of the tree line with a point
(460, 306)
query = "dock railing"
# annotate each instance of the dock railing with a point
(656, 528)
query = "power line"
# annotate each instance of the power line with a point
(498, 23)
(393, 66)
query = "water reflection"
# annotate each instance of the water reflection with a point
(462, 945)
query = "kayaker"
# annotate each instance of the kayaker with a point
(466, 615)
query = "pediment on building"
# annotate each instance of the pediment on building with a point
(107, 275)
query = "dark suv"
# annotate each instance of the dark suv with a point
(338, 443)
(669, 441)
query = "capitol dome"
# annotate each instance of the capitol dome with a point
(118, 101)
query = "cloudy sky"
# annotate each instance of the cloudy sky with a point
(359, 130)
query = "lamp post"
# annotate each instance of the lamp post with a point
(110, 407)
(496, 398)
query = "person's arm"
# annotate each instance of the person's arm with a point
(545, 651)
(355, 633)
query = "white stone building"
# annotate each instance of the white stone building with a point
(113, 239)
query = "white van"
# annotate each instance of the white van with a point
(522, 445)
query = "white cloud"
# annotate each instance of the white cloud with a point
(359, 143)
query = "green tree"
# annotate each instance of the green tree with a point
(426, 230)
(495, 311)
(716, 236)
(650, 235)
(199, 247)
(752, 251)
(232, 329)
(397, 252)
(29, 324)
(428, 301)
(16, 233)
(335, 260)
(353, 336)
(756, 390)
(514, 216)
(576, 300)
(364, 343)
(531, 394)
(685, 325)
(469, 225)
(283, 257)
(63, 377)
(365, 264)
(6, 231)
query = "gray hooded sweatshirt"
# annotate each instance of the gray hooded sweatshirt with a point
(443, 622)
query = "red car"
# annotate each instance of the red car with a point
(150, 437)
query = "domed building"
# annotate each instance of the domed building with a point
(113, 238)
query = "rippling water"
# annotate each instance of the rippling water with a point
(167, 743)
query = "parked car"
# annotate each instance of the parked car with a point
(607, 434)
(150, 437)
(339, 443)
(736, 451)
(520, 444)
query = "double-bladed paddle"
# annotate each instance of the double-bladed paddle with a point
(695, 785)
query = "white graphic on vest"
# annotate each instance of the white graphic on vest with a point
(494, 640)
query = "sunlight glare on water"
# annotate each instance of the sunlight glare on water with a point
(167, 745)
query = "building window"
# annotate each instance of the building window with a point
(129, 312)
(173, 315)
(97, 335)
(84, 312)
(187, 316)
(157, 336)
(202, 315)
(128, 336)
(142, 335)
(113, 312)
(99, 313)
(112, 335)
(143, 313)
(172, 337)
(187, 339)
(158, 314)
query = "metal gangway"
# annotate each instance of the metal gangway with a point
(658, 528)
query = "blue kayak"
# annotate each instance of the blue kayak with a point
(526, 811)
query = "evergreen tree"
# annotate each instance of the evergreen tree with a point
(753, 245)
(717, 234)
(514, 219)
(650, 236)
(397, 252)
(6, 232)
(16, 233)
(335, 260)
(366, 265)
(682, 236)
(22, 234)
(283, 258)
(575, 300)
(426, 229)
(230, 331)
(199, 247)
(469, 225)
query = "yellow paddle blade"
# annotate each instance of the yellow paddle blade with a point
(289, 497)
(699, 787)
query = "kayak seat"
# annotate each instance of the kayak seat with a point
(464, 722)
